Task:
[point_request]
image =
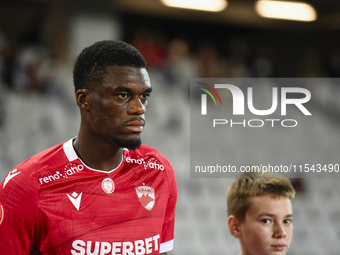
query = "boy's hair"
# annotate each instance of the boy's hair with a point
(93, 61)
(248, 185)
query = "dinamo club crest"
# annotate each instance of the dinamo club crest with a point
(108, 185)
(146, 196)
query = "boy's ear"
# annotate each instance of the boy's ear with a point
(234, 226)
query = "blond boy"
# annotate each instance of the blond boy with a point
(260, 213)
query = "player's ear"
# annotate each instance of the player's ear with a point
(82, 98)
(234, 226)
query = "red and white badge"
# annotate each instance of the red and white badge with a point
(108, 185)
(146, 196)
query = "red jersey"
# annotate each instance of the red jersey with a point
(55, 203)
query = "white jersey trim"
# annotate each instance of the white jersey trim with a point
(69, 150)
(72, 155)
(167, 246)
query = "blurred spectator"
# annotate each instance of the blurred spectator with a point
(333, 66)
(26, 68)
(180, 66)
(310, 66)
(208, 61)
(152, 46)
(2, 103)
(3, 43)
(238, 50)
(10, 66)
(263, 65)
(299, 185)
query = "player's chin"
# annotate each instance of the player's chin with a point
(131, 143)
(133, 138)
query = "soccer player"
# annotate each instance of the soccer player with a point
(260, 213)
(102, 192)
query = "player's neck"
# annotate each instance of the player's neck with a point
(97, 154)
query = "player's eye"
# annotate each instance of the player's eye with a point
(123, 96)
(144, 96)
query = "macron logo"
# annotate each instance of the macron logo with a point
(11, 174)
(75, 199)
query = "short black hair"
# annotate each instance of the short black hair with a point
(93, 61)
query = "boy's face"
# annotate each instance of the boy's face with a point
(267, 228)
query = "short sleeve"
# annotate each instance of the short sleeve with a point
(18, 214)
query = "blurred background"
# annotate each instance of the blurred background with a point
(40, 39)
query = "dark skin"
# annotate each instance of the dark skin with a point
(113, 109)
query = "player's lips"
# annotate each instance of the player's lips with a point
(279, 247)
(135, 125)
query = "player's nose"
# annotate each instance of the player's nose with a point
(136, 107)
